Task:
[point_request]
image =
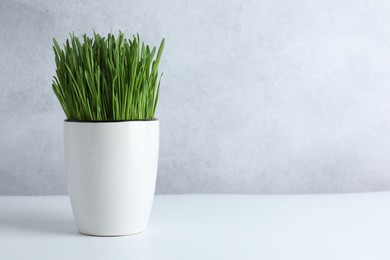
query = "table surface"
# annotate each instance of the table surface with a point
(315, 227)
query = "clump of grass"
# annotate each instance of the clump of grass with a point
(107, 78)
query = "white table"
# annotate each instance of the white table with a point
(313, 227)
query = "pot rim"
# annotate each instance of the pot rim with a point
(110, 122)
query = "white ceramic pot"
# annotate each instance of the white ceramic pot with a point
(111, 169)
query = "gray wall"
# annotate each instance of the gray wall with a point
(270, 96)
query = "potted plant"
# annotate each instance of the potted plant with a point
(108, 88)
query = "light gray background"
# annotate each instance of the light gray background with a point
(266, 96)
